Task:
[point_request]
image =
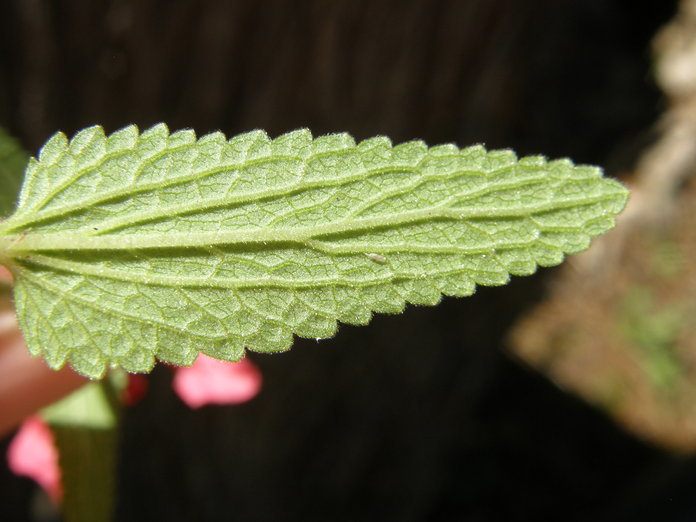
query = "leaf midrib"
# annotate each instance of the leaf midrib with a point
(35, 242)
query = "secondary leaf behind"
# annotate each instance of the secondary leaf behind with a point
(13, 160)
(134, 246)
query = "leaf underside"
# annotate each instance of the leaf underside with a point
(136, 247)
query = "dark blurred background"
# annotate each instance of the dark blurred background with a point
(422, 416)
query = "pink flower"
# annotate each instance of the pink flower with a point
(32, 453)
(210, 381)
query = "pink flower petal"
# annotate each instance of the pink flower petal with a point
(210, 381)
(32, 453)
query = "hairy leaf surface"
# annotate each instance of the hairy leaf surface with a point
(133, 247)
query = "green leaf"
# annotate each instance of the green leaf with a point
(133, 247)
(13, 160)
